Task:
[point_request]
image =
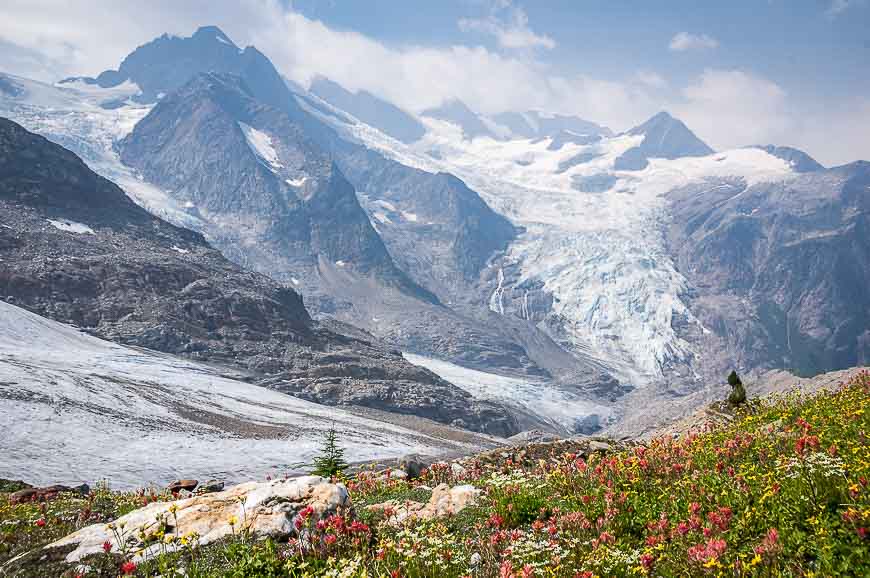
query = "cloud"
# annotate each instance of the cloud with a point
(510, 27)
(837, 7)
(683, 41)
(651, 79)
(49, 39)
(733, 108)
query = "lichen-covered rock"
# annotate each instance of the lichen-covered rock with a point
(259, 509)
(445, 500)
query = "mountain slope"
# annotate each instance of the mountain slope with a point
(444, 253)
(778, 268)
(365, 106)
(74, 248)
(269, 196)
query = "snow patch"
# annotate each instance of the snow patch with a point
(71, 226)
(262, 146)
(180, 250)
(296, 182)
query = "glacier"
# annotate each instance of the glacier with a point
(593, 235)
(86, 409)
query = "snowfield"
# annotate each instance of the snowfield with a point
(85, 409)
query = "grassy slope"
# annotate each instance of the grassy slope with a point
(780, 490)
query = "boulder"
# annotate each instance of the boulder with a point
(413, 465)
(599, 446)
(210, 487)
(179, 485)
(46, 494)
(260, 509)
(443, 502)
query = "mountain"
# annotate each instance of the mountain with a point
(456, 112)
(798, 159)
(441, 237)
(169, 62)
(561, 128)
(365, 106)
(270, 197)
(663, 137)
(777, 268)
(76, 249)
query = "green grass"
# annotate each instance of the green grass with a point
(780, 491)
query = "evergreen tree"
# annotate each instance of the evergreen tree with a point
(330, 462)
(738, 393)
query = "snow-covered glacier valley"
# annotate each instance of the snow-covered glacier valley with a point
(591, 266)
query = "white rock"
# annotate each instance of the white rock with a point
(260, 508)
(444, 501)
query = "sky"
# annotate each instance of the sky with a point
(742, 72)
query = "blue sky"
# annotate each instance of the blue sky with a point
(793, 72)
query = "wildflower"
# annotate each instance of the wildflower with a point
(107, 546)
(647, 561)
(40, 522)
(704, 553)
(128, 567)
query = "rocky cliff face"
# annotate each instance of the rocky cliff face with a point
(779, 270)
(270, 197)
(74, 248)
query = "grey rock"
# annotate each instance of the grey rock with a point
(414, 464)
(800, 161)
(599, 446)
(210, 487)
(777, 269)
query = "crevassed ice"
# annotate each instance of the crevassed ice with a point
(601, 255)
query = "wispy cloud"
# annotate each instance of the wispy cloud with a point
(510, 26)
(683, 41)
(837, 7)
(651, 79)
(732, 108)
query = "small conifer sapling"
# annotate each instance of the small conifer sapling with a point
(330, 461)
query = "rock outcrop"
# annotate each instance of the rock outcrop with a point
(258, 509)
(445, 501)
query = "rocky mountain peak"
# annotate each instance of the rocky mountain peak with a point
(664, 137)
